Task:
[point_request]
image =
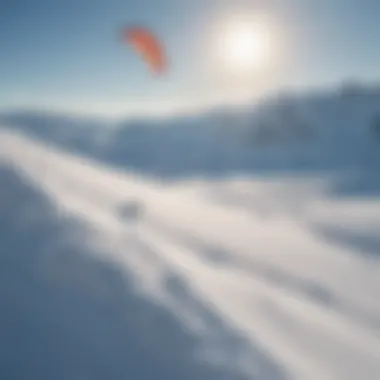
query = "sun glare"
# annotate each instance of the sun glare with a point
(246, 45)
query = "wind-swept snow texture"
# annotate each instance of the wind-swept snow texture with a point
(119, 277)
(69, 310)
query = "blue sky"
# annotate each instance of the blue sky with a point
(65, 54)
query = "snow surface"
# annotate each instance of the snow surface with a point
(278, 278)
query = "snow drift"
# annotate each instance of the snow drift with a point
(271, 297)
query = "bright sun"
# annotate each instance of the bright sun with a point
(246, 45)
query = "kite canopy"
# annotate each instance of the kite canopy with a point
(148, 45)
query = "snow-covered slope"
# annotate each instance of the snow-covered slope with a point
(256, 279)
(68, 313)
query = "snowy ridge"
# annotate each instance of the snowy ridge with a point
(335, 131)
(294, 304)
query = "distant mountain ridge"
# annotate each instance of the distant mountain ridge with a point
(334, 130)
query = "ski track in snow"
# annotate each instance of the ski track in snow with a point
(300, 303)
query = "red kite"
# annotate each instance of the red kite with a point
(148, 45)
